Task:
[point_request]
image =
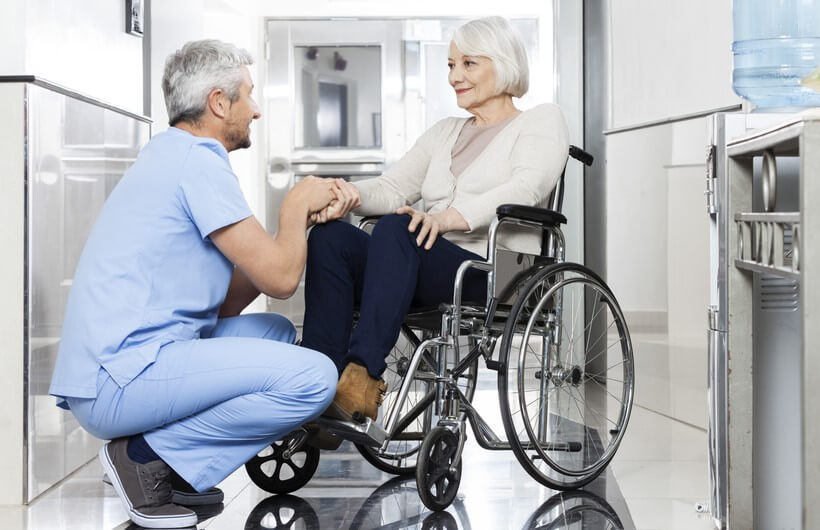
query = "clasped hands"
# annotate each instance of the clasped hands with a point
(345, 198)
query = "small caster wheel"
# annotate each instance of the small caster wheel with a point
(436, 479)
(285, 466)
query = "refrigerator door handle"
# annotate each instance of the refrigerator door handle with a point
(711, 182)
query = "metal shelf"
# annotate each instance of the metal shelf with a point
(761, 246)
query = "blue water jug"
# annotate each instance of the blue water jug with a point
(776, 44)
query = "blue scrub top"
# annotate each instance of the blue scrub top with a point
(149, 275)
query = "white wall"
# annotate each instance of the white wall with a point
(174, 24)
(81, 45)
(13, 38)
(669, 58)
(636, 193)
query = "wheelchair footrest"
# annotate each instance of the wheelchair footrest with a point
(569, 447)
(494, 365)
(367, 432)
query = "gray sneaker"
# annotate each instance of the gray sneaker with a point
(144, 489)
(184, 494)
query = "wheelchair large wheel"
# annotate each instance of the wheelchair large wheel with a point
(284, 466)
(565, 385)
(401, 454)
(436, 479)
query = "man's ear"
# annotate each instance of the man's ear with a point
(218, 103)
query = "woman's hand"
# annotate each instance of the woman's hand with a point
(431, 225)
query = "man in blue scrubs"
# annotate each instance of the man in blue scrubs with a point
(154, 354)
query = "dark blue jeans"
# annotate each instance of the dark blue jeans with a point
(383, 274)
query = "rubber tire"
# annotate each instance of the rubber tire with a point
(518, 451)
(272, 484)
(427, 466)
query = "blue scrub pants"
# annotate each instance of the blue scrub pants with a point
(382, 274)
(206, 406)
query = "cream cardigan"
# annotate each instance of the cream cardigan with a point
(520, 165)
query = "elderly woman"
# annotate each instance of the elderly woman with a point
(461, 169)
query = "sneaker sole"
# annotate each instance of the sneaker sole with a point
(189, 499)
(197, 499)
(165, 521)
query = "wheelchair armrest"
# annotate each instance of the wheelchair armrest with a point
(531, 213)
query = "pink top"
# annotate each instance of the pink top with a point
(471, 141)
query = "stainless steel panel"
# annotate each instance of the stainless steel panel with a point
(721, 128)
(777, 374)
(716, 401)
(77, 152)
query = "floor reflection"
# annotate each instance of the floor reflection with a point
(282, 511)
(574, 509)
(395, 506)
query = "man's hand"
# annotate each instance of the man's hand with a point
(347, 198)
(311, 192)
(431, 225)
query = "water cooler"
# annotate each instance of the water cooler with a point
(756, 383)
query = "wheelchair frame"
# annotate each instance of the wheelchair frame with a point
(438, 466)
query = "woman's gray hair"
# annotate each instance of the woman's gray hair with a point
(193, 71)
(496, 39)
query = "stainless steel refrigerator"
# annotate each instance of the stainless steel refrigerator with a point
(62, 154)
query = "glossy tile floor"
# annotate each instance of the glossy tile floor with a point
(654, 481)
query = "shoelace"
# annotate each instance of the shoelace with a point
(382, 392)
(162, 486)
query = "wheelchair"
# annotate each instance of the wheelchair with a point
(558, 342)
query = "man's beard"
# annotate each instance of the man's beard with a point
(239, 138)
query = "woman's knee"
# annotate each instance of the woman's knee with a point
(391, 228)
(393, 223)
(329, 234)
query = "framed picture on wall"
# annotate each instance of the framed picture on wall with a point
(133, 17)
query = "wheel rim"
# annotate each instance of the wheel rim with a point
(277, 470)
(586, 379)
(439, 479)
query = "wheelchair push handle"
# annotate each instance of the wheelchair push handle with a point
(582, 156)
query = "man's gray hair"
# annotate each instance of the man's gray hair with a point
(496, 39)
(193, 71)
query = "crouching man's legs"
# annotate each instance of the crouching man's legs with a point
(205, 407)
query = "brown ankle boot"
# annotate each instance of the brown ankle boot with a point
(357, 394)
